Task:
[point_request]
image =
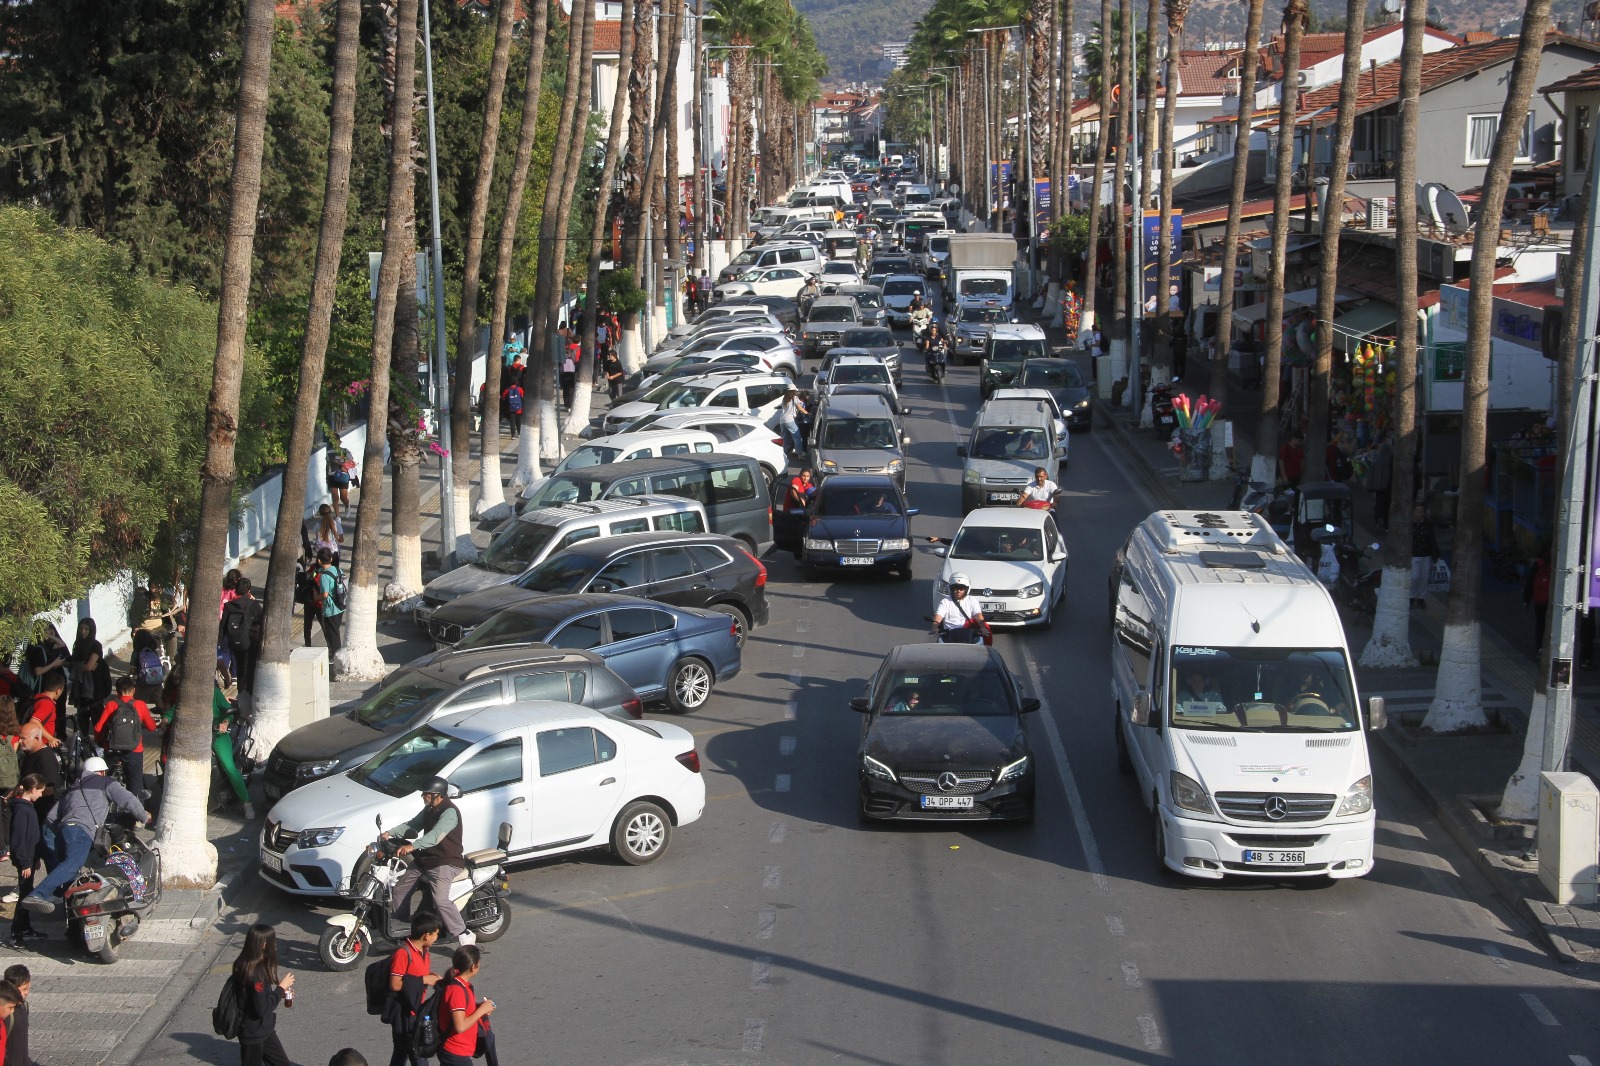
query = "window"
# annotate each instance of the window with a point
(707, 558)
(548, 685)
(702, 447)
(730, 483)
(627, 572)
(725, 398)
(605, 749)
(674, 449)
(690, 486)
(631, 487)
(762, 395)
(673, 563)
(631, 623)
(493, 767)
(631, 525)
(1135, 633)
(580, 634)
(561, 750)
(1481, 130)
(482, 695)
(1578, 140)
(681, 522)
(576, 535)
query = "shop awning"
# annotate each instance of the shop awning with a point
(1246, 319)
(1352, 327)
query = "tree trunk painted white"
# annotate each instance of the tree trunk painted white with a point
(461, 496)
(188, 859)
(491, 491)
(549, 432)
(1146, 417)
(528, 467)
(1219, 453)
(1520, 803)
(1458, 691)
(1389, 647)
(407, 569)
(270, 717)
(582, 402)
(359, 659)
(630, 348)
(1264, 468)
(1117, 349)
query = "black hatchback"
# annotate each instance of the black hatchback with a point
(1063, 380)
(943, 738)
(703, 570)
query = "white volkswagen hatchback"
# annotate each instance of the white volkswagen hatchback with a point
(1016, 560)
(564, 777)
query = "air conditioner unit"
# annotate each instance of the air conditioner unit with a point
(1440, 261)
(1378, 213)
(1303, 78)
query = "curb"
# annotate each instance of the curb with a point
(1138, 465)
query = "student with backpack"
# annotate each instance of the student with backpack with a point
(47, 705)
(514, 400)
(120, 730)
(257, 989)
(27, 852)
(328, 599)
(410, 977)
(463, 1018)
(241, 630)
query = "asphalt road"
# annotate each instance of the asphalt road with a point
(778, 930)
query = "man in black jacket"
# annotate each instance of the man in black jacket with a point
(434, 837)
(40, 758)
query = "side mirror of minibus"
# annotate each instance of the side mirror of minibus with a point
(1141, 709)
(1377, 714)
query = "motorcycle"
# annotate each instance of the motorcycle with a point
(121, 882)
(480, 892)
(1340, 569)
(1162, 412)
(974, 632)
(1275, 504)
(937, 358)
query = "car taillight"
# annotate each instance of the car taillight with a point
(761, 569)
(778, 441)
(690, 760)
(633, 707)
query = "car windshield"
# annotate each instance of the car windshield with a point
(840, 244)
(867, 338)
(566, 488)
(997, 543)
(398, 701)
(685, 396)
(901, 288)
(857, 501)
(590, 455)
(406, 765)
(1261, 690)
(983, 287)
(509, 627)
(562, 572)
(660, 392)
(867, 299)
(744, 259)
(859, 374)
(1009, 442)
(978, 691)
(857, 433)
(989, 315)
(831, 314)
(513, 550)
(1002, 350)
(1065, 376)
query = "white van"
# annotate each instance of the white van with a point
(1236, 704)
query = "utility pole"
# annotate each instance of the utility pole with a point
(441, 373)
(988, 125)
(1136, 260)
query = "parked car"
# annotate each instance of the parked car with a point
(769, 281)
(441, 684)
(671, 654)
(775, 253)
(538, 767)
(857, 523)
(753, 393)
(736, 434)
(701, 570)
(1016, 561)
(1065, 383)
(678, 367)
(942, 737)
(742, 316)
(714, 314)
(784, 308)
(649, 399)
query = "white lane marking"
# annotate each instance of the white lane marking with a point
(1579, 1060)
(1130, 975)
(786, 745)
(799, 651)
(1080, 818)
(771, 877)
(1540, 1011)
(754, 1030)
(761, 971)
(1403, 829)
(1149, 1030)
(781, 783)
(1114, 925)
(802, 626)
(1494, 953)
(775, 834)
(766, 922)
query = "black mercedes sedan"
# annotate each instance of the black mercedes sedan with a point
(943, 737)
(855, 523)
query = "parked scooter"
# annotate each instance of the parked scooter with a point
(119, 885)
(481, 894)
(1162, 413)
(1340, 569)
(1275, 504)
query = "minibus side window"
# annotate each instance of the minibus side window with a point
(1135, 634)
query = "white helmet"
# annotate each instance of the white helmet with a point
(960, 580)
(94, 764)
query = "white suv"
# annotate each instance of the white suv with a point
(755, 394)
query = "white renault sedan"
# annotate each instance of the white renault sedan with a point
(566, 778)
(1016, 560)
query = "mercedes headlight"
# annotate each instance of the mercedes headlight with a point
(900, 545)
(321, 768)
(1012, 771)
(1358, 800)
(813, 544)
(1187, 793)
(940, 589)
(829, 464)
(971, 477)
(896, 465)
(319, 838)
(873, 768)
(1035, 589)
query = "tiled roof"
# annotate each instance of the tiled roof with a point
(1252, 209)
(1203, 73)
(607, 37)
(1589, 78)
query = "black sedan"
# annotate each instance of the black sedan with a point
(1063, 380)
(854, 523)
(943, 737)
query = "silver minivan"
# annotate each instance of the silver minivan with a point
(1010, 440)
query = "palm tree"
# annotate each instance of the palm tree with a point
(1147, 99)
(491, 501)
(1100, 85)
(1332, 207)
(1390, 643)
(471, 271)
(1038, 23)
(406, 453)
(1265, 464)
(1241, 173)
(745, 24)
(1177, 11)
(1093, 48)
(270, 700)
(187, 855)
(633, 161)
(1458, 694)
(1122, 293)
(359, 658)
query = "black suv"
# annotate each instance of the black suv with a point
(439, 684)
(684, 569)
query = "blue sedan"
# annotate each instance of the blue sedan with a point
(672, 654)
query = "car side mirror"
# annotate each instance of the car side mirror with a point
(961, 451)
(861, 703)
(1377, 714)
(905, 442)
(912, 512)
(941, 551)
(1141, 709)
(1061, 451)
(1029, 704)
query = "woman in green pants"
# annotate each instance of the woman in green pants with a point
(222, 717)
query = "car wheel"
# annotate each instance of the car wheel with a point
(689, 685)
(641, 834)
(772, 480)
(741, 623)
(1124, 760)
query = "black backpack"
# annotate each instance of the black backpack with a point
(124, 731)
(377, 982)
(228, 1014)
(427, 1035)
(236, 624)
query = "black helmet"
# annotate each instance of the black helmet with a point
(436, 786)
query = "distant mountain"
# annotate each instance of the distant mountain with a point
(851, 33)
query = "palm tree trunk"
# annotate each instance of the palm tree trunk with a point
(659, 118)
(1147, 117)
(1390, 643)
(1458, 695)
(405, 441)
(1037, 24)
(1120, 333)
(491, 500)
(1265, 463)
(1091, 280)
(1241, 173)
(359, 659)
(188, 857)
(1177, 11)
(471, 271)
(630, 346)
(270, 700)
(738, 195)
(1332, 226)
(671, 171)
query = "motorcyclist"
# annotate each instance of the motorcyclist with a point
(921, 318)
(937, 349)
(433, 838)
(807, 296)
(954, 620)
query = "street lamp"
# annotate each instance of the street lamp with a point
(952, 130)
(988, 122)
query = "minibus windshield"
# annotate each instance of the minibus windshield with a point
(1261, 690)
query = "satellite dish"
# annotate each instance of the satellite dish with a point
(1424, 207)
(1391, 7)
(1431, 191)
(1451, 212)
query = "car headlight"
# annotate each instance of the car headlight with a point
(970, 477)
(873, 768)
(1011, 771)
(940, 589)
(319, 838)
(1082, 404)
(900, 545)
(896, 465)
(1187, 793)
(1358, 800)
(815, 545)
(317, 769)
(829, 464)
(1035, 589)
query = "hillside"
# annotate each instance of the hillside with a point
(851, 33)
